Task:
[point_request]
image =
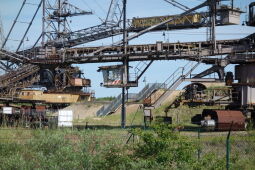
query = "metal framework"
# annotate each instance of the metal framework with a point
(9, 65)
(164, 51)
(52, 59)
(55, 15)
(57, 34)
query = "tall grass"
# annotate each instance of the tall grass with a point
(158, 148)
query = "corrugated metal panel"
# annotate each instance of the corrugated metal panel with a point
(224, 119)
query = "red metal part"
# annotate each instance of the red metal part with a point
(40, 108)
(225, 118)
(26, 110)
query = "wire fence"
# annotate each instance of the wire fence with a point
(233, 149)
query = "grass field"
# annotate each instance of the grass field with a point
(157, 148)
(180, 115)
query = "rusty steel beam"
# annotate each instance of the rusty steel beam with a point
(167, 51)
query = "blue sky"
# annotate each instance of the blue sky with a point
(159, 70)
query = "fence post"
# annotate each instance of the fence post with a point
(228, 148)
(86, 126)
(198, 151)
(227, 153)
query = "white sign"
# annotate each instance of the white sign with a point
(147, 112)
(7, 110)
(65, 118)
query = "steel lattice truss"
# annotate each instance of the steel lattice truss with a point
(58, 42)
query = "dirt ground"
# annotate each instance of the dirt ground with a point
(131, 108)
(84, 110)
(88, 109)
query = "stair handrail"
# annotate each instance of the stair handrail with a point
(178, 74)
(104, 110)
(147, 91)
(181, 76)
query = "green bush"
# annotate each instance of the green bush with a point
(165, 146)
(161, 148)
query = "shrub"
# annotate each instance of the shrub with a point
(165, 146)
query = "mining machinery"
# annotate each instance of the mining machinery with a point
(55, 78)
(49, 63)
(57, 38)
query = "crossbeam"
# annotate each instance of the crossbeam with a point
(158, 51)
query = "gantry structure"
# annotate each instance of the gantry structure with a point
(56, 48)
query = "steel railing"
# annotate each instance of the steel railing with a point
(174, 80)
(115, 104)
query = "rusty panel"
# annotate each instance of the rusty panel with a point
(147, 101)
(40, 108)
(76, 82)
(226, 117)
(86, 82)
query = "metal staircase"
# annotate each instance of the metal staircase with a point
(147, 90)
(115, 104)
(105, 110)
(168, 86)
(174, 81)
(141, 68)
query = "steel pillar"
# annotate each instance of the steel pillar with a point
(212, 11)
(125, 63)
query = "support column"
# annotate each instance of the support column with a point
(43, 23)
(125, 64)
(123, 109)
(213, 25)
